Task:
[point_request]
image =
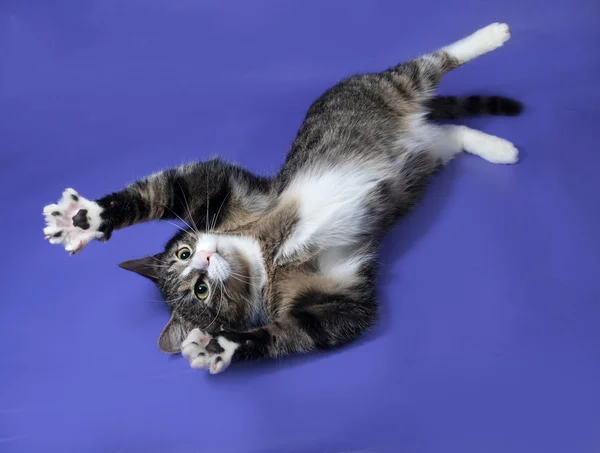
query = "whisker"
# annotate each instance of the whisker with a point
(202, 312)
(242, 275)
(206, 220)
(162, 263)
(219, 212)
(154, 301)
(248, 278)
(159, 266)
(176, 215)
(187, 206)
(240, 280)
(175, 225)
(218, 309)
(155, 258)
(225, 291)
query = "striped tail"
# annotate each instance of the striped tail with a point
(454, 107)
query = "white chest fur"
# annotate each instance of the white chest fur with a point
(332, 208)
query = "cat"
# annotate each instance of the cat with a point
(267, 267)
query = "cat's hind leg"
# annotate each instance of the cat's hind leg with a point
(447, 141)
(451, 139)
(479, 43)
(417, 79)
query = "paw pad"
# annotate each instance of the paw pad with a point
(207, 352)
(73, 221)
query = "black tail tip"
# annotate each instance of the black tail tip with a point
(510, 107)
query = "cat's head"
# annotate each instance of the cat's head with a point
(207, 280)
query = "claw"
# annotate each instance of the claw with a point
(77, 249)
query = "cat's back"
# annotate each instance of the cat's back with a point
(360, 118)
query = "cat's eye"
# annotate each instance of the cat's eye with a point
(201, 290)
(184, 254)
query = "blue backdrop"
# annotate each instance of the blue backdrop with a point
(489, 338)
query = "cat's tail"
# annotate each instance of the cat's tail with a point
(454, 107)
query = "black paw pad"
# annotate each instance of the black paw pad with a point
(80, 219)
(214, 347)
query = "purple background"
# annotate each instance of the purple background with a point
(490, 332)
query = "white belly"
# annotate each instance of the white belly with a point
(332, 207)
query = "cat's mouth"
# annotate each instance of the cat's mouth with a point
(218, 268)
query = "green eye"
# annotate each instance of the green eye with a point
(201, 290)
(184, 254)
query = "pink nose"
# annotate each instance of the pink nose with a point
(204, 257)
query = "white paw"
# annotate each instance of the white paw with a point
(205, 351)
(495, 150)
(492, 36)
(482, 41)
(63, 228)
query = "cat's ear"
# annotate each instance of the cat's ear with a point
(148, 266)
(173, 334)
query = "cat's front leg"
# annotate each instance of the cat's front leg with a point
(74, 221)
(214, 353)
(315, 322)
(202, 195)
